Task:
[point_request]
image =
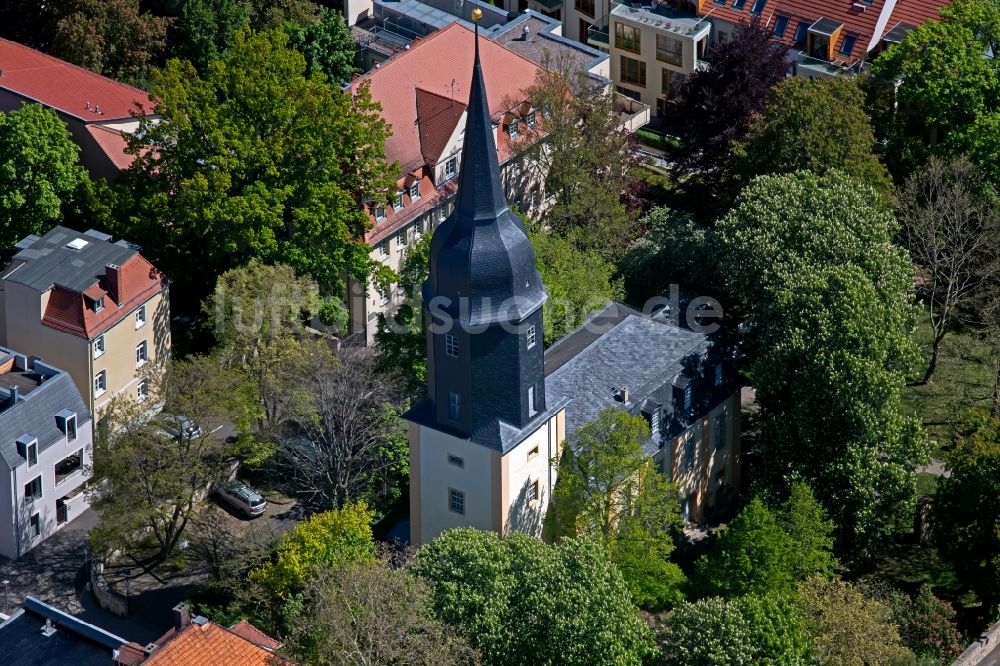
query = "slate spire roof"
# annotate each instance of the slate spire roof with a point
(481, 254)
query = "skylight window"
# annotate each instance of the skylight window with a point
(780, 25)
(800, 33)
(758, 6)
(738, 4)
(848, 45)
(77, 244)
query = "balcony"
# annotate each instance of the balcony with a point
(810, 67)
(598, 37)
(632, 114)
(69, 467)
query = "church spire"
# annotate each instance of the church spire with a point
(480, 190)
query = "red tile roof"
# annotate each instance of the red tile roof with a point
(211, 645)
(867, 23)
(244, 629)
(70, 311)
(437, 118)
(130, 654)
(55, 83)
(113, 143)
(441, 64)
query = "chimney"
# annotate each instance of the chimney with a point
(113, 275)
(524, 33)
(15, 394)
(182, 616)
(622, 394)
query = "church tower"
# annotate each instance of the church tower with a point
(483, 442)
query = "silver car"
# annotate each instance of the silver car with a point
(243, 498)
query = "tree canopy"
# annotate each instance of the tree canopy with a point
(814, 124)
(40, 173)
(518, 600)
(827, 292)
(255, 159)
(967, 525)
(611, 491)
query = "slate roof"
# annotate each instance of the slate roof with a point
(542, 42)
(639, 353)
(35, 413)
(57, 84)
(74, 642)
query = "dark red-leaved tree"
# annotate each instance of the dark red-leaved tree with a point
(715, 106)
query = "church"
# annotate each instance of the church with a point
(485, 443)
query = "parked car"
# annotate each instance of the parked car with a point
(243, 498)
(174, 425)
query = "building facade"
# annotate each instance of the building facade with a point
(482, 441)
(46, 448)
(94, 307)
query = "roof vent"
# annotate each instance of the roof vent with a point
(198, 619)
(48, 629)
(77, 244)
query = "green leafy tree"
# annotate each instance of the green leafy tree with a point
(205, 29)
(813, 124)
(747, 630)
(829, 312)
(846, 628)
(256, 160)
(367, 613)
(150, 481)
(327, 45)
(271, 14)
(585, 157)
(982, 17)
(752, 555)
(518, 600)
(611, 491)
(578, 282)
(400, 339)
(675, 250)
(40, 174)
(330, 539)
(945, 84)
(804, 521)
(112, 37)
(967, 515)
(926, 624)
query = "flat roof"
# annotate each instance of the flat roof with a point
(74, 641)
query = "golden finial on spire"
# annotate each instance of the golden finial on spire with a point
(477, 14)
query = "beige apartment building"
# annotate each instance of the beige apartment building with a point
(93, 307)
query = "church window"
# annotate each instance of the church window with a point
(531, 401)
(718, 374)
(454, 406)
(687, 397)
(456, 501)
(530, 336)
(451, 345)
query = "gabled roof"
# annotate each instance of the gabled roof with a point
(113, 143)
(440, 64)
(57, 84)
(437, 118)
(208, 644)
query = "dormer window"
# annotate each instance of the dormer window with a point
(398, 202)
(98, 304)
(379, 213)
(514, 128)
(27, 448)
(66, 420)
(415, 191)
(71, 428)
(529, 119)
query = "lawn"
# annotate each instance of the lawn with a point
(963, 382)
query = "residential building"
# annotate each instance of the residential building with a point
(46, 447)
(195, 641)
(99, 112)
(482, 441)
(652, 48)
(38, 634)
(685, 388)
(93, 307)
(540, 39)
(423, 93)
